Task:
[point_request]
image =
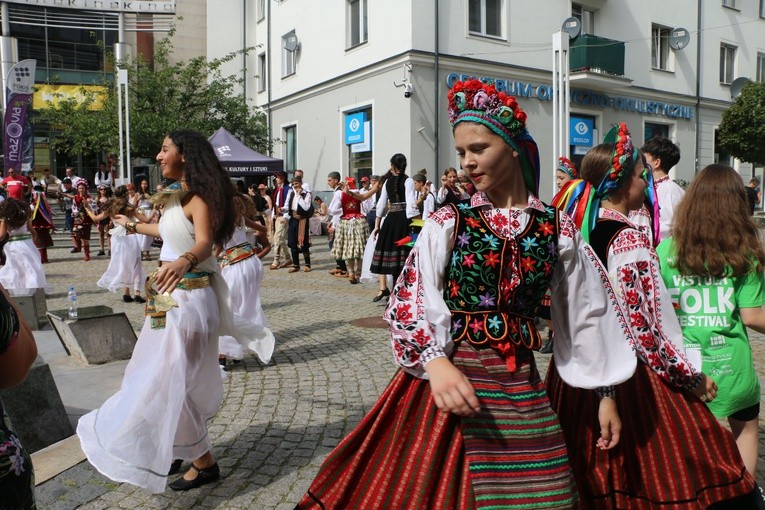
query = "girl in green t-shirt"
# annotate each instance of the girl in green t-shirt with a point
(713, 269)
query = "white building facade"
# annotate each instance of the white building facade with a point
(347, 84)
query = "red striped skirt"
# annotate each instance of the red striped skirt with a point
(672, 453)
(407, 454)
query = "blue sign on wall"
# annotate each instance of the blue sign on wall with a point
(354, 128)
(581, 131)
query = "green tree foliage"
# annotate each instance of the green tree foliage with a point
(191, 94)
(742, 130)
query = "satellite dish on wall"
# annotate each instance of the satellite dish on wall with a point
(291, 42)
(679, 38)
(572, 26)
(737, 85)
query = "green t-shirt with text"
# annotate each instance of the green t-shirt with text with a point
(708, 309)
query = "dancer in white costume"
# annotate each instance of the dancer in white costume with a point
(125, 270)
(144, 207)
(242, 269)
(172, 384)
(23, 271)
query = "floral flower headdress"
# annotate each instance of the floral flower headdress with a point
(567, 167)
(474, 101)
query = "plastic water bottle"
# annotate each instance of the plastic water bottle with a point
(72, 299)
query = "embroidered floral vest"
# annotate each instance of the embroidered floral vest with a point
(495, 285)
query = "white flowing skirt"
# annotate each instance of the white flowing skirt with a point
(23, 271)
(125, 269)
(244, 279)
(170, 390)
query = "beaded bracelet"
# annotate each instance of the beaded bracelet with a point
(191, 258)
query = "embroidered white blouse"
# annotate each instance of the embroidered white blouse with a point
(592, 346)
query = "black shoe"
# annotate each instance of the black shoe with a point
(547, 348)
(204, 476)
(138, 299)
(175, 467)
(380, 295)
(222, 362)
(100, 253)
(127, 298)
(74, 250)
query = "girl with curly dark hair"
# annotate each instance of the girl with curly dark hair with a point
(172, 385)
(23, 272)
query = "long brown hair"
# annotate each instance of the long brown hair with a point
(713, 232)
(244, 207)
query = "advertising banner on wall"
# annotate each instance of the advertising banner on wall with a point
(137, 6)
(18, 139)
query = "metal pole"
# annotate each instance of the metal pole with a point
(119, 116)
(127, 126)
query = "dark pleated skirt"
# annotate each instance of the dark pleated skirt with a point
(389, 258)
(673, 454)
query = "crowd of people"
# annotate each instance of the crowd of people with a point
(647, 290)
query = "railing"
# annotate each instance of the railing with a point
(590, 53)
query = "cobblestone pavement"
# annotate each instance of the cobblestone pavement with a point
(277, 422)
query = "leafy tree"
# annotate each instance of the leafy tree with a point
(191, 94)
(742, 130)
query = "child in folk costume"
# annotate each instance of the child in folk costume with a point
(352, 232)
(42, 222)
(712, 266)
(242, 269)
(23, 272)
(466, 423)
(672, 452)
(172, 385)
(125, 270)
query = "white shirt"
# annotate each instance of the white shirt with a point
(409, 193)
(669, 194)
(335, 207)
(103, 179)
(75, 180)
(368, 204)
(428, 206)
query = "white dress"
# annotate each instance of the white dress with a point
(144, 207)
(23, 271)
(172, 384)
(125, 269)
(243, 279)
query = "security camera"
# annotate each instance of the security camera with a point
(408, 90)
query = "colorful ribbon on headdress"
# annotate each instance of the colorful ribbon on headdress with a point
(578, 199)
(566, 166)
(652, 202)
(473, 101)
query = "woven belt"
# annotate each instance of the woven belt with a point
(20, 237)
(236, 254)
(157, 305)
(397, 206)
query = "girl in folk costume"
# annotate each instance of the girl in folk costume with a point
(466, 422)
(81, 221)
(712, 266)
(565, 172)
(242, 269)
(42, 223)
(389, 257)
(23, 272)
(353, 231)
(172, 384)
(125, 270)
(667, 427)
(452, 191)
(103, 201)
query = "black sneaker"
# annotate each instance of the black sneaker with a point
(138, 299)
(100, 253)
(127, 298)
(74, 250)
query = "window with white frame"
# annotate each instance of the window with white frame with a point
(290, 148)
(289, 54)
(660, 54)
(261, 9)
(760, 76)
(485, 17)
(356, 15)
(262, 72)
(586, 18)
(727, 63)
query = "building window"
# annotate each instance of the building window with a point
(485, 17)
(660, 54)
(289, 54)
(586, 17)
(760, 76)
(727, 63)
(762, 8)
(290, 149)
(261, 9)
(720, 156)
(729, 3)
(262, 72)
(655, 131)
(356, 14)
